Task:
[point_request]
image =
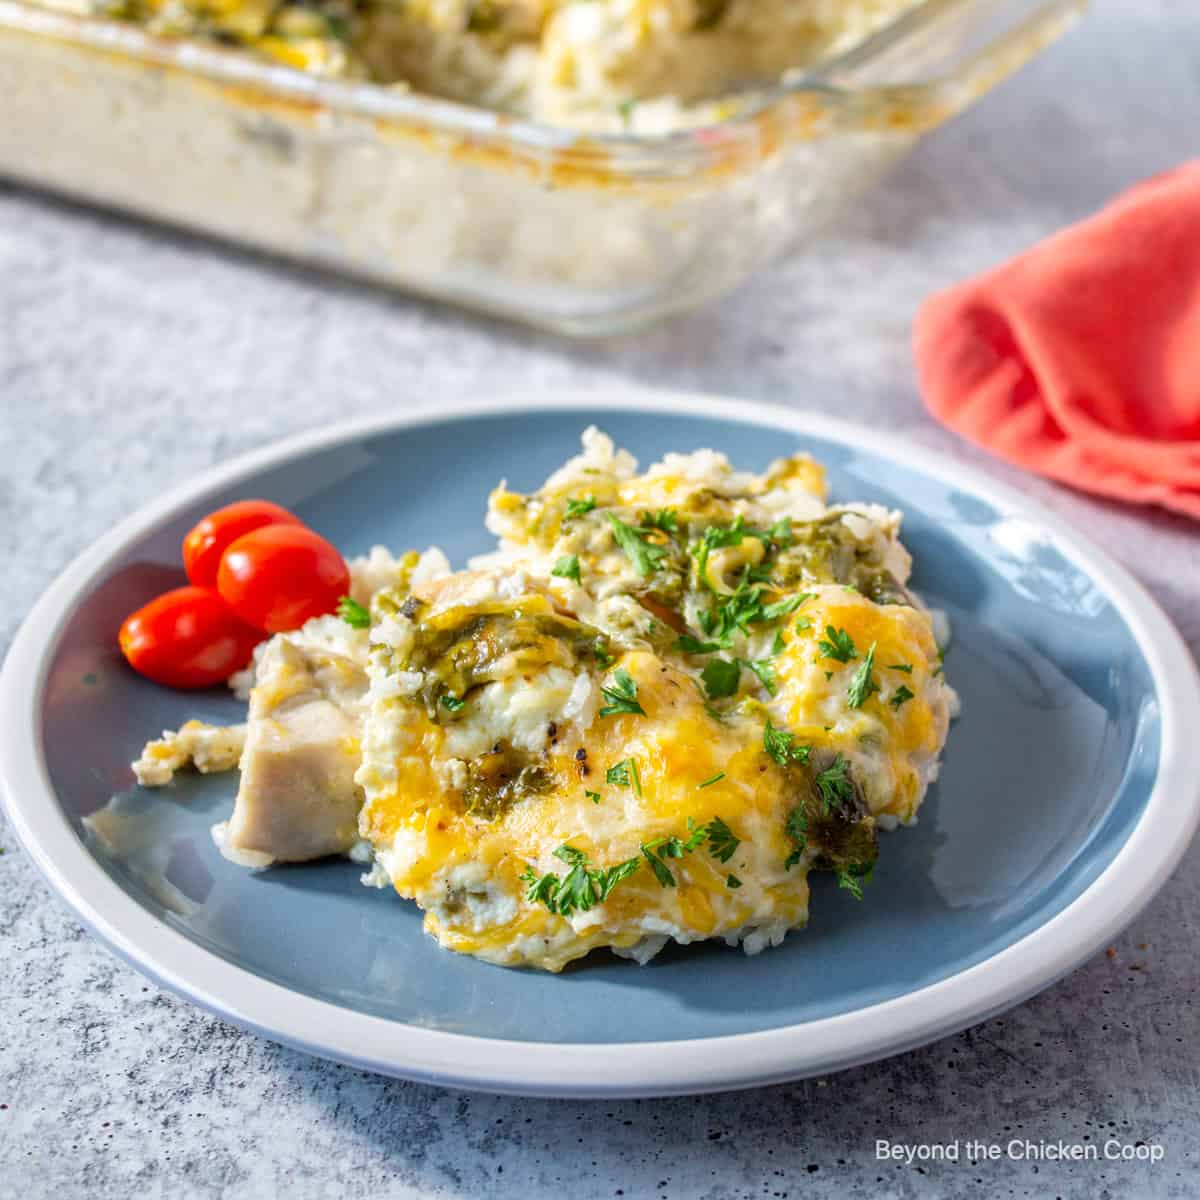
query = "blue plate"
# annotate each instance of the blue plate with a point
(1072, 683)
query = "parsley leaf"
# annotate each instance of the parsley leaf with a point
(837, 644)
(709, 782)
(353, 613)
(722, 841)
(665, 519)
(644, 556)
(796, 829)
(852, 878)
(863, 685)
(835, 785)
(577, 508)
(604, 658)
(625, 774)
(901, 696)
(905, 667)
(594, 797)
(655, 858)
(766, 674)
(540, 890)
(452, 703)
(741, 609)
(567, 567)
(581, 888)
(621, 695)
(608, 878)
(697, 834)
(721, 677)
(781, 746)
(781, 608)
(686, 644)
(732, 881)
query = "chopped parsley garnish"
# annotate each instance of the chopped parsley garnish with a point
(452, 703)
(905, 667)
(781, 608)
(579, 508)
(687, 644)
(604, 658)
(852, 880)
(738, 612)
(353, 613)
(722, 845)
(863, 685)
(781, 746)
(581, 888)
(732, 881)
(722, 842)
(625, 774)
(714, 779)
(567, 567)
(900, 696)
(661, 848)
(644, 555)
(621, 695)
(803, 624)
(796, 829)
(665, 519)
(835, 785)
(608, 878)
(584, 886)
(837, 644)
(742, 608)
(594, 797)
(766, 674)
(720, 677)
(625, 111)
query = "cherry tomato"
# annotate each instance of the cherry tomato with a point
(187, 638)
(281, 575)
(207, 541)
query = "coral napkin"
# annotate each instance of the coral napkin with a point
(1081, 358)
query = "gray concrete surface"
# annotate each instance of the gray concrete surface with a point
(130, 358)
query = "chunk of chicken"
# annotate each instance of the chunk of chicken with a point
(298, 799)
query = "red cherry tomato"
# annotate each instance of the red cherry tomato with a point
(187, 638)
(207, 541)
(281, 575)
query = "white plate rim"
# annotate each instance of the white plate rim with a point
(605, 1070)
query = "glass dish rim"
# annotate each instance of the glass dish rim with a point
(379, 102)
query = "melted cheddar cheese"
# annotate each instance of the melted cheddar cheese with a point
(650, 714)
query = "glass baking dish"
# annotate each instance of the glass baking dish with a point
(584, 234)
